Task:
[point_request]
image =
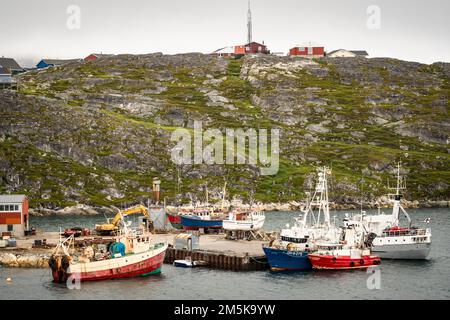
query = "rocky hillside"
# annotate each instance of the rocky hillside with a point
(97, 132)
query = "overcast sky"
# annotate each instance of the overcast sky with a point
(409, 30)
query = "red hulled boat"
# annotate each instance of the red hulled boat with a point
(335, 257)
(130, 254)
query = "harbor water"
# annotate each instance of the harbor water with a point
(429, 279)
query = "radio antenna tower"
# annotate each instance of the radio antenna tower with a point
(249, 24)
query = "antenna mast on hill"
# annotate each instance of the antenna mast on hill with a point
(249, 24)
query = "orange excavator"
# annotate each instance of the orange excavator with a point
(113, 224)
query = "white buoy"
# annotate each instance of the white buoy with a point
(8, 280)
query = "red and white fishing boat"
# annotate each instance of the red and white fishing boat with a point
(352, 252)
(336, 256)
(130, 254)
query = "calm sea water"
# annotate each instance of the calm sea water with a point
(428, 279)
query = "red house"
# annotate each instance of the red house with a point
(95, 56)
(252, 48)
(14, 217)
(308, 51)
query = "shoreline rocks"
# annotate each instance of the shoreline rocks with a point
(77, 210)
(383, 203)
(13, 260)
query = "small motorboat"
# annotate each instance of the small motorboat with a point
(186, 263)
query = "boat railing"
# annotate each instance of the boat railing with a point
(408, 232)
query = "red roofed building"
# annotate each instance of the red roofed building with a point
(252, 48)
(308, 51)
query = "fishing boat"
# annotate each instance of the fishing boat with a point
(290, 252)
(337, 257)
(201, 219)
(351, 252)
(130, 254)
(244, 220)
(392, 240)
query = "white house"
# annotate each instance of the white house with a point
(342, 53)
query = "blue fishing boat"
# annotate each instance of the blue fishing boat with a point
(200, 219)
(287, 260)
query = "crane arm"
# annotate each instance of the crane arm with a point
(140, 209)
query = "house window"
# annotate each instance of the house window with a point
(10, 228)
(2, 207)
(16, 207)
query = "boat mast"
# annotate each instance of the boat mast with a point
(223, 196)
(397, 198)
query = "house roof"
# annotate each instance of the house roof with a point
(360, 52)
(14, 198)
(5, 71)
(308, 44)
(9, 63)
(357, 52)
(100, 55)
(58, 62)
(254, 42)
(225, 50)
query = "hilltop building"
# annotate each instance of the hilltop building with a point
(308, 50)
(95, 56)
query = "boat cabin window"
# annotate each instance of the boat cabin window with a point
(294, 240)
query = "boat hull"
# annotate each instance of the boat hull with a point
(140, 264)
(285, 260)
(243, 225)
(403, 251)
(175, 221)
(331, 262)
(195, 223)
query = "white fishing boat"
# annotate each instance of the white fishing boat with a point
(244, 220)
(393, 241)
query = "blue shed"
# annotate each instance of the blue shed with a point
(44, 63)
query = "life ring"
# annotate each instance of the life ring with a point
(333, 259)
(361, 262)
(352, 264)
